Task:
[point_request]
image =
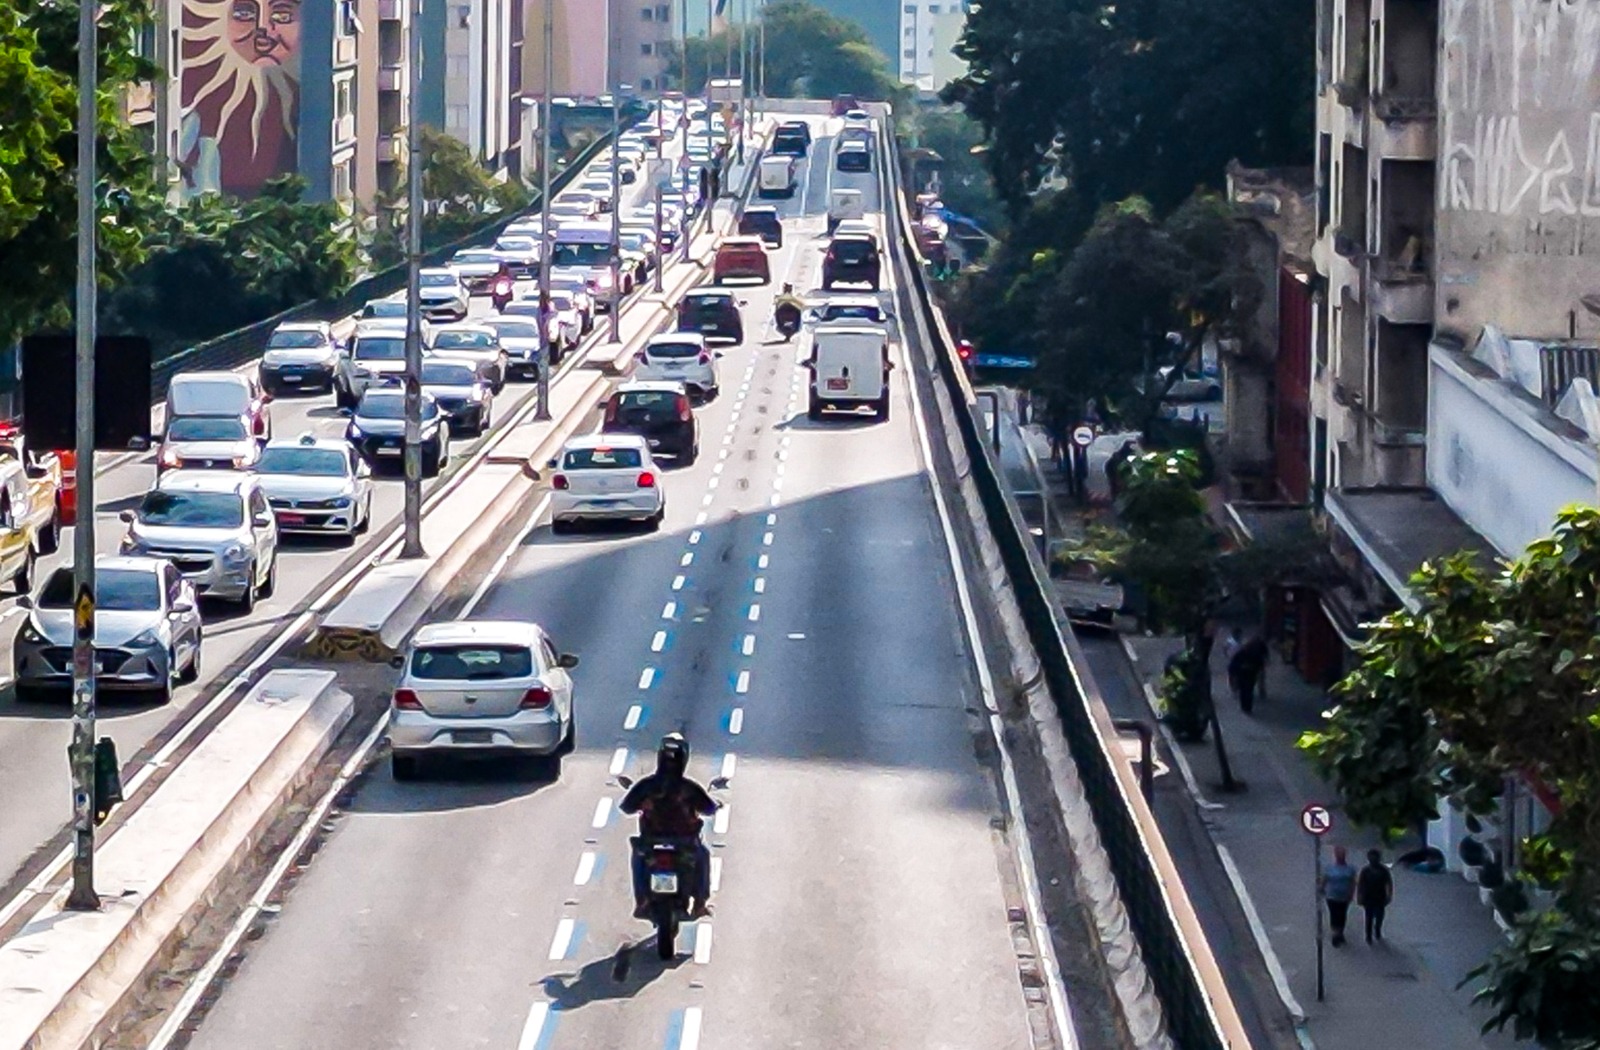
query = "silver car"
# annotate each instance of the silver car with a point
(147, 631)
(480, 687)
(443, 296)
(217, 528)
(477, 268)
(317, 486)
(300, 356)
(377, 354)
(471, 342)
(208, 443)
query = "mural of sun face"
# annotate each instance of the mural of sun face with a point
(241, 93)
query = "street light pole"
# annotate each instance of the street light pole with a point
(83, 896)
(616, 214)
(411, 546)
(761, 67)
(656, 176)
(542, 411)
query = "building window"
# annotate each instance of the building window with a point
(341, 98)
(648, 14)
(646, 84)
(647, 49)
(342, 190)
(911, 53)
(457, 116)
(663, 13)
(911, 9)
(933, 9)
(911, 31)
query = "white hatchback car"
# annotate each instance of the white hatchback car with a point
(602, 477)
(680, 357)
(480, 688)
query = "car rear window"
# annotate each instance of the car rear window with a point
(472, 663)
(602, 459)
(295, 341)
(639, 405)
(463, 341)
(516, 330)
(204, 428)
(671, 350)
(380, 349)
(447, 373)
(752, 223)
(851, 251)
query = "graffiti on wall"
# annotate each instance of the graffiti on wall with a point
(240, 94)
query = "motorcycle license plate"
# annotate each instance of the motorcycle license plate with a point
(838, 384)
(663, 882)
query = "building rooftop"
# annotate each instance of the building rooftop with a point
(1284, 202)
(1397, 530)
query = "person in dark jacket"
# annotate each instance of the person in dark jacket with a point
(1245, 668)
(670, 805)
(1374, 892)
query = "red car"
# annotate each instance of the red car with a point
(741, 257)
(843, 104)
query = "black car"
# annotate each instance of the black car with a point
(659, 412)
(464, 394)
(851, 260)
(762, 222)
(853, 156)
(790, 141)
(713, 312)
(378, 429)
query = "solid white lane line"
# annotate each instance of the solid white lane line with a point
(763, 561)
(743, 684)
(730, 762)
(585, 870)
(647, 677)
(720, 824)
(619, 761)
(755, 612)
(635, 714)
(678, 582)
(533, 1028)
(736, 722)
(749, 646)
(716, 874)
(702, 946)
(602, 812)
(561, 943)
(691, 1029)
(761, 585)
(669, 610)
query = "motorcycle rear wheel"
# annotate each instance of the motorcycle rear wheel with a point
(666, 919)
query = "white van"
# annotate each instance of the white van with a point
(776, 178)
(844, 205)
(849, 366)
(585, 249)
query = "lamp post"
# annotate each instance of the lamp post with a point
(411, 544)
(83, 896)
(616, 214)
(542, 411)
(661, 99)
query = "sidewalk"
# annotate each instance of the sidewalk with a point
(1398, 994)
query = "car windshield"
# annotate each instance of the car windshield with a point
(518, 244)
(707, 304)
(570, 254)
(385, 308)
(201, 428)
(380, 348)
(391, 404)
(438, 280)
(447, 373)
(296, 341)
(308, 462)
(448, 340)
(202, 510)
(634, 241)
(472, 663)
(679, 349)
(851, 251)
(115, 590)
(476, 257)
(646, 404)
(601, 459)
(516, 330)
(861, 312)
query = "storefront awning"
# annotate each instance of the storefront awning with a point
(1397, 530)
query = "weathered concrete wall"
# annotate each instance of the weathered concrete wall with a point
(1519, 167)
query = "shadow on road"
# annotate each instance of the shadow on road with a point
(621, 975)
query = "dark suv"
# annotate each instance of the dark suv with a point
(659, 412)
(851, 260)
(792, 139)
(713, 312)
(762, 222)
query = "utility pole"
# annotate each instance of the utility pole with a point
(83, 896)
(411, 546)
(616, 214)
(542, 411)
(744, 16)
(656, 177)
(761, 66)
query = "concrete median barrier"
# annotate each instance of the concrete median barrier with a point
(65, 977)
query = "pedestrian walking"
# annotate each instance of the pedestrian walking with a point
(1374, 892)
(1023, 404)
(1245, 669)
(1338, 889)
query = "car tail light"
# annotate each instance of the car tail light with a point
(647, 480)
(558, 481)
(406, 700)
(502, 287)
(684, 412)
(535, 699)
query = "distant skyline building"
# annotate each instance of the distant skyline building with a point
(929, 31)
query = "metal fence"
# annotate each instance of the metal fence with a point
(235, 348)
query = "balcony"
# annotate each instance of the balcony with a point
(1405, 128)
(1402, 293)
(393, 10)
(392, 76)
(391, 148)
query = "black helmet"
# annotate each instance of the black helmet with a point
(672, 757)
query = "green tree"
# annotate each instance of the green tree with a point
(810, 53)
(963, 180)
(38, 158)
(1495, 676)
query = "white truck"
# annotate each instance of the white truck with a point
(776, 177)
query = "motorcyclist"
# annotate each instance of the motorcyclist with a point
(502, 286)
(671, 806)
(787, 309)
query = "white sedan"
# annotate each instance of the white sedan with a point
(601, 477)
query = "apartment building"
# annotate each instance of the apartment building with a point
(641, 43)
(472, 75)
(581, 32)
(929, 30)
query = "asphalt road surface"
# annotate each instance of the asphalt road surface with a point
(796, 617)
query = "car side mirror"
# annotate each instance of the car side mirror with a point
(567, 661)
(718, 353)
(182, 605)
(126, 516)
(719, 783)
(552, 464)
(397, 661)
(347, 412)
(266, 399)
(625, 780)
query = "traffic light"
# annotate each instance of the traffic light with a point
(965, 351)
(107, 779)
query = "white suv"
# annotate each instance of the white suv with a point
(680, 357)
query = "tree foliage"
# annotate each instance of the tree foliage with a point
(1495, 676)
(38, 158)
(810, 53)
(964, 183)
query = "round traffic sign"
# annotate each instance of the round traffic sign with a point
(1316, 819)
(1083, 435)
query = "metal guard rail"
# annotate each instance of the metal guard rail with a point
(1191, 1022)
(236, 347)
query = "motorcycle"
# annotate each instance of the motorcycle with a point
(500, 292)
(669, 865)
(786, 317)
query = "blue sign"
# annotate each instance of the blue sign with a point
(1002, 361)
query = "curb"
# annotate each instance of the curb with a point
(65, 981)
(1178, 757)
